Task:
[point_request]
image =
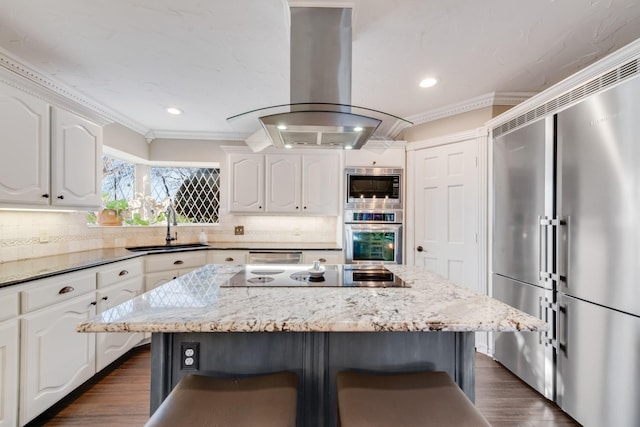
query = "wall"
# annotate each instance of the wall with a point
(449, 125)
(21, 231)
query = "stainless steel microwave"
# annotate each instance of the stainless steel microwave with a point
(371, 188)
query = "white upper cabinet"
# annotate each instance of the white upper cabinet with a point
(291, 183)
(50, 157)
(246, 193)
(283, 178)
(76, 151)
(24, 164)
(320, 184)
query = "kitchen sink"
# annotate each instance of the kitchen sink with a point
(165, 248)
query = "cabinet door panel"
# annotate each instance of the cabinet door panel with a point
(24, 164)
(55, 358)
(110, 346)
(283, 183)
(8, 373)
(321, 182)
(246, 183)
(76, 157)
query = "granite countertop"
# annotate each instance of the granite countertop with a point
(196, 303)
(17, 272)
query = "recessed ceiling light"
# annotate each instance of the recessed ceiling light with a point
(282, 127)
(175, 111)
(288, 146)
(357, 129)
(428, 82)
(348, 147)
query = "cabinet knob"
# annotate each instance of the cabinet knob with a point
(259, 207)
(66, 290)
(420, 249)
(45, 196)
(174, 277)
(228, 259)
(322, 259)
(304, 207)
(123, 273)
(297, 207)
(94, 302)
(178, 262)
(105, 298)
(61, 197)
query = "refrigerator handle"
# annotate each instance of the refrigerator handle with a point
(562, 249)
(563, 323)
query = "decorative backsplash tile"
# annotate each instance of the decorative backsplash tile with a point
(33, 234)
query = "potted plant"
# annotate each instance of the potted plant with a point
(111, 214)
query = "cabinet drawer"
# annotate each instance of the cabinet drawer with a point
(228, 257)
(45, 292)
(116, 273)
(8, 305)
(175, 261)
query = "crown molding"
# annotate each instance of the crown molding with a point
(28, 79)
(482, 101)
(595, 70)
(204, 135)
(448, 139)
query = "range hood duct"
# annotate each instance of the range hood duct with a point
(320, 114)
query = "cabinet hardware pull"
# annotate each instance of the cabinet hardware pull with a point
(105, 298)
(259, 207)
(46, 196)
(61, 197)
(123, 273)
(94, 303)
(322, 260)
(420, 249)
(178, 262)
(228, 259)
(66, 290)
(304, 207)
(297, 207)
(175, 277)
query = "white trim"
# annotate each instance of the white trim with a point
(28, 79)
(614, 60)
(447, 139)
(482, 101)
(203, 135)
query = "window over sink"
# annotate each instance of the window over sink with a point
(139, 194)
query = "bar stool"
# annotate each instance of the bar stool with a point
(404, 400)
(266, 400)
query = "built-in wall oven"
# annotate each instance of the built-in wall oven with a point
(373, 236)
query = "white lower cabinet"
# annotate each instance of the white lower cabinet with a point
(9, 373)
(325, 257)
(110, 346)
(55, 359)
(227, 257)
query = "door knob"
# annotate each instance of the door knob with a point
(420, 249)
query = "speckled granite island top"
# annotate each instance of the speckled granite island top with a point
(196, 303)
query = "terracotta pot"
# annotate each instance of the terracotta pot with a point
(109, 217)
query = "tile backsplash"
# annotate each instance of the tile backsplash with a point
(33, 234)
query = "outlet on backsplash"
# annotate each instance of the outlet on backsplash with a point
(239, 230)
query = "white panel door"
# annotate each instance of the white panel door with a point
(283, 183)
(246, 193)
(24, 140)
(8, 373)
(320, 184)
(446, 211)
(76, 152)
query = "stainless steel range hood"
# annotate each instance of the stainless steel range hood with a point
(320, 114)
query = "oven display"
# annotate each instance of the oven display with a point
(374, 216)
(374, 246)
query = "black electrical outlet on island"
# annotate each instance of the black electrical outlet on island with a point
(190, 356)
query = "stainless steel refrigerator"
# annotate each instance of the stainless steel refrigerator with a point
(566, 248)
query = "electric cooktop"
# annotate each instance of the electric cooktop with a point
(289, 275)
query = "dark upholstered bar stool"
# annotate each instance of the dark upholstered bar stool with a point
(198, 401)
(404, 400)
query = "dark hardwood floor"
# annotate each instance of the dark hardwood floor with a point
(121, 398)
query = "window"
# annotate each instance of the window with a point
(147, 191)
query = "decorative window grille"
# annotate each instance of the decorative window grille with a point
(194, 192)
(118, 179)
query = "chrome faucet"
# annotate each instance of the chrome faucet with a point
(171, 211)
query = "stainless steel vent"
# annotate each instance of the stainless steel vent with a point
(598, 84)
(320, 114)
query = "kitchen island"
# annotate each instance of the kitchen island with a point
(313, 331)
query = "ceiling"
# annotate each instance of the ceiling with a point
(217, 58)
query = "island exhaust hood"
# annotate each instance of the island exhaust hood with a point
(320, 114)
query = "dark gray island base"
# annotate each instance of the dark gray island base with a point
(316, 357)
